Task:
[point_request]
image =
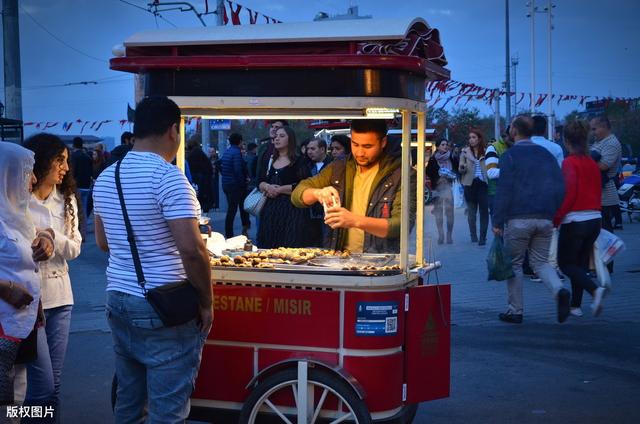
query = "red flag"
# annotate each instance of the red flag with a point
(541, 99)
(235, 14)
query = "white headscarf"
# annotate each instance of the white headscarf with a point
(16, 167)
(16, 235)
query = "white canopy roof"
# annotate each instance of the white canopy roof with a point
(343, 30)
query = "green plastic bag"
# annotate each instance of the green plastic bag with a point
(499, 261)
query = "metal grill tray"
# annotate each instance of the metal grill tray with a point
(354, 260)
(313, 270)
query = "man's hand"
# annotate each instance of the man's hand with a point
(16, 296)
(339, 217)
(497, 231)
(206, 319)
(327, 196)
(42, 247)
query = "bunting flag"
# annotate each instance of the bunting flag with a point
(458, 91)
(235, 14)
(253, 16)
(235, 17)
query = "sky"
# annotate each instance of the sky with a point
(595, 49)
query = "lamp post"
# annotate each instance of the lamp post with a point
(551, 117)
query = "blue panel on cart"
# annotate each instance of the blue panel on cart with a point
(377, 319)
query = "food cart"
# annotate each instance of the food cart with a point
(313, 335)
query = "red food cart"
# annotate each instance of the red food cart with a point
(298, 343)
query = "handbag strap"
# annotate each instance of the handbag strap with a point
(130, 237)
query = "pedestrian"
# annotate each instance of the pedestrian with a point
(82, 170)
(579, 218)
(530, 191)
(318, 160)
(156, 365)
(215, 180)
(474, 178)
(282, 224)
(609, 150)
(233, 170)
(440, 171)
(492, 161)
(53, 205)
(539, 131)
(21, 246)
(119, 152)
(201, 174)
(265, 149)
(251, 160)
(340, 146)
(538, 137)
(100, 159)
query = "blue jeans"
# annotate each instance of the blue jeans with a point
(43, 374)
(156, 366)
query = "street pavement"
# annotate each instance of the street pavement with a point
(586, 370)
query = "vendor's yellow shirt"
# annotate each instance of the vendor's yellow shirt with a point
(359, 202)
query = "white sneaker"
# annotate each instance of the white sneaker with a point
(596, 306)
(576, 312)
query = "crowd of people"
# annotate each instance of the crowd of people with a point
(341, 195)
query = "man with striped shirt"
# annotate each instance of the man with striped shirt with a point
(156, 366)
(492, 162)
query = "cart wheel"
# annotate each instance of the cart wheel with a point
(323, 388)
(428, 195)
(114, 390)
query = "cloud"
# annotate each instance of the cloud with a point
(275, 7)
(445, 12)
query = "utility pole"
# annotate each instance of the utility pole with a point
(496, 123)
(507, 67)
(532, 15)
(515, 60)
(11, 44)
(205, 125)
(222, 142)
(551, 117)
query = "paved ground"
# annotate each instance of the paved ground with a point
(584, 371)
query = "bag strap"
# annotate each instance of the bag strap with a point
(130, 237)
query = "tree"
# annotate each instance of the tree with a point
(463, 120)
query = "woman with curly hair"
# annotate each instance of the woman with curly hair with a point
(473, 173)
(53, 205)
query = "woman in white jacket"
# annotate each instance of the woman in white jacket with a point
(53, 205)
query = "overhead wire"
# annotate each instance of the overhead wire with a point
(61, 41)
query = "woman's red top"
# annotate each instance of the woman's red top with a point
(583, 186)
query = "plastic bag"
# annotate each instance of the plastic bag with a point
(602, 273)
(499, 261)
(458, 195)
(609, 245)
(553, 249)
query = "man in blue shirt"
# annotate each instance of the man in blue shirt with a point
(233, 170)
(530, 191)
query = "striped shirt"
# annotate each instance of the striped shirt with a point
(155, 192)
(611, 152)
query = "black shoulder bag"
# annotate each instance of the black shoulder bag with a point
(175, 303)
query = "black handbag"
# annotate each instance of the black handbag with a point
(175, 303)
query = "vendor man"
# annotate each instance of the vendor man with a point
(361, 193)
